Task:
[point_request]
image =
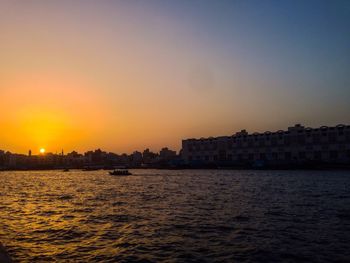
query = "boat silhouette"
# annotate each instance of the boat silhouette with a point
(120, 172)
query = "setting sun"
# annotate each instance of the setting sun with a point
(42, 150)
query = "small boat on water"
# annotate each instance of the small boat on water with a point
(120, 172)
(66, 170)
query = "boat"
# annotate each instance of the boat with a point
(66, 170)
(120, 172)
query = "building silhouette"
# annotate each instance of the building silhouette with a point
(292, 148)
(295, 146)
(96, 159)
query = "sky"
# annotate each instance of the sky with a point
(130, 75)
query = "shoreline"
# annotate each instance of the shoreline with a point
(267, 168)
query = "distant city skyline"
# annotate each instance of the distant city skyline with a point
(44, 151)
(127, 75)
(296, 146)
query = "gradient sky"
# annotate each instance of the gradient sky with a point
(126, 75)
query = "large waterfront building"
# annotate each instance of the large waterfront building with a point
(297, 145)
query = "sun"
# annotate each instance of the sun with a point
(42, 150)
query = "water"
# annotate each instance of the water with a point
(176, 216)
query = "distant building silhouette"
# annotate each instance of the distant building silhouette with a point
(149, 157)
(136, 158)
(96, 159)
(296, 146)
(166, 154)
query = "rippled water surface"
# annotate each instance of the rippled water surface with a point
(176, 216)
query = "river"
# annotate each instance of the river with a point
(176, 216)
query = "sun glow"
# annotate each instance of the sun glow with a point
(42, 150)
(59, 118)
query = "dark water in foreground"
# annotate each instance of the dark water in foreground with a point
(176, 216)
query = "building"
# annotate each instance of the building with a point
(149, 157)
(297, 145)
(166, 154)
(136, 159)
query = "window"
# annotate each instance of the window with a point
(332, 137)
(274, 141)
(318, 155)
(333, 154)
(347, 136)
(287, 155)
(316, 138)
(301, 139)
(309, 147)
(286, 141)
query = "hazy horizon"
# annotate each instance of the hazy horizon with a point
(130, 75)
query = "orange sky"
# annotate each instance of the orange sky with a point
(126, 75)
